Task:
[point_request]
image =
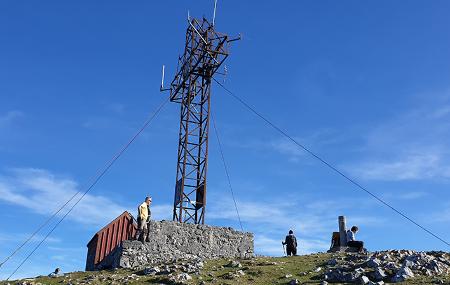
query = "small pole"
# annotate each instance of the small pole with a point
(342, 231)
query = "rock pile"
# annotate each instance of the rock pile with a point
(386, 266)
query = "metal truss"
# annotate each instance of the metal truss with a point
(205, 51)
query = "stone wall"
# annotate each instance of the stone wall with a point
(170, 241)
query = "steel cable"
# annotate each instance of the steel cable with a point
(99, 175)
(358, 185)
(226, 171)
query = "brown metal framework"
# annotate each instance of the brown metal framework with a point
(205, 50)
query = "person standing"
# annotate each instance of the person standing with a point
(291, 243)
(143, 220)
(352, 242)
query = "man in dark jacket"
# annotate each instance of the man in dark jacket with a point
(291, 243)
(352, 242)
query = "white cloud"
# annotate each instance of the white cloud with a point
(32, 269)
(288, 148)
(313, 220)
(411, 146)
(18, 237)
(95, 123)
(410, 195)
(310, 215)
(281, 145)
(268, 246)
(248, 211)
(441, 112)
(265, 245)
(9, 117)
(159, 212)
(407, 167)
(439, 216)
(66, 249)
(116, 108)
(43, 192)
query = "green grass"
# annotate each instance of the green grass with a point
(261, 270)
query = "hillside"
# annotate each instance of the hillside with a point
(409, 266)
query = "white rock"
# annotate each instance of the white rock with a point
(184, 277)
(240, 272)
(403, 274)
(364, 280)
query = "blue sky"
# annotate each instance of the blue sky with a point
(363, 84)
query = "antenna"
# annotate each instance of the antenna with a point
(189, 17)
(161, 88)
(214, 14)
(162, 78)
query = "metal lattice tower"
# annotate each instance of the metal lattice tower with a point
(205, 50)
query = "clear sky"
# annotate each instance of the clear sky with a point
(365, 84)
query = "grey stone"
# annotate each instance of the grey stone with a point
(391, 266)
(234, 264)
(294, 282)
(230, 276)
(172, 241)
(151, 270)
(182, 278)
(379, 274)
(409, 263)
(332, 262)
(338, 275)
(373, 262)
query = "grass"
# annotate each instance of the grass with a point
(258, 271)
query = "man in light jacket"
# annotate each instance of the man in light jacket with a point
(144, 215)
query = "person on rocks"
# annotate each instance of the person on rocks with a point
(56, 273)
(143, 220)
(291, 243)
(351, 242)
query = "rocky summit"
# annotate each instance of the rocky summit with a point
(384, 267)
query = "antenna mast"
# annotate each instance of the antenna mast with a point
(204, 52)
